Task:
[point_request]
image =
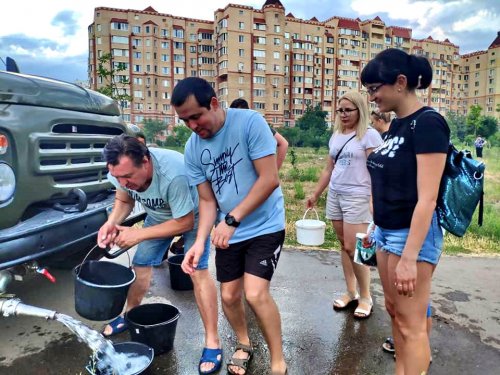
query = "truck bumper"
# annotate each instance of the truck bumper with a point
(53, 232)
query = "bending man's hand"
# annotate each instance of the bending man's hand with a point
(106, 235)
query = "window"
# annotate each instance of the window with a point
(179, 45)
(241, 52)
(164, 32)
(276, 55)
(260, 66)
(259, 79)
(277, 41)
(241, 80)
(259, 26)
(260, 40)
(164, 45)
(241, 25)
(147, 29)
(137, 68)
(137, 94)
(277, 28)
(178, 33)
(119, 26)
(241, 38)
(259, 53)
(178, 70)
(115, 39)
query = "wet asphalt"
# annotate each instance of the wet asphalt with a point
(317, 340)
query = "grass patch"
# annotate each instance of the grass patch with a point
(309, 163)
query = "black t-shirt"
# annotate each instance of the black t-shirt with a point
(393, 165)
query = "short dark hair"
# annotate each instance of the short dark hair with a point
(390, 63)
(140, 135)
(125, 145)
(239, 103)
(200, 88)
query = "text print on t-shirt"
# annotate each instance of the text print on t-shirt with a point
(153, 203)
(222, 168)
(345, 158)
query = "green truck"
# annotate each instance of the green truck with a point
(54, 193)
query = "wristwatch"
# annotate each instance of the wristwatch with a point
(231, 221)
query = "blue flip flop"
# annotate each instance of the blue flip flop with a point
(210, 356)
(117, 325)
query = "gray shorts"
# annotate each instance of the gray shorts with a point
(352, 209)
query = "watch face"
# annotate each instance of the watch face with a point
(230, 220)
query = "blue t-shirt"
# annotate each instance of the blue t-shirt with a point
(169, 195)
(226, 161)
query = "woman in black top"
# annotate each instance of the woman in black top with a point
(406, 172)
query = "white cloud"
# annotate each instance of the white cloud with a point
(481, 20)
(37, 22)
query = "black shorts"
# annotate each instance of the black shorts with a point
(257, 256)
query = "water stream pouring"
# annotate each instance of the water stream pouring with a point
(110, 362)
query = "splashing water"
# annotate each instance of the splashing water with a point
(109, 362)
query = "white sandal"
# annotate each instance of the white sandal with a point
(340, 304)
(361, 313)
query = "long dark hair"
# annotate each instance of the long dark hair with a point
(389, 64)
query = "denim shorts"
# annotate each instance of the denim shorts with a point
(393, 241)
(151, 252)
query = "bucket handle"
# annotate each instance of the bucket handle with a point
(106, 254)
(312, 208)
(110, 255)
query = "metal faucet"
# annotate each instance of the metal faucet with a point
(14, 307)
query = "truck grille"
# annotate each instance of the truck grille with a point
(73, 158)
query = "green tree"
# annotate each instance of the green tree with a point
(152, 128)
(115, 85)
(313, 120)
(473, 119)
(488, 126)
(182, 133)
(457, 124)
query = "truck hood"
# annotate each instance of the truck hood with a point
(24, 89)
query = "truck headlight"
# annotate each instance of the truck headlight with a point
(7, 182)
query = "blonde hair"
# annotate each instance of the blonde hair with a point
(360, 103)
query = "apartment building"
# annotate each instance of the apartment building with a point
(279, 63)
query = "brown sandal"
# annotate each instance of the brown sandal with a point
(242, 363)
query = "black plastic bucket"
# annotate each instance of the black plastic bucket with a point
(153, 324)
(101, 289)
(179, 280)
(136, 348)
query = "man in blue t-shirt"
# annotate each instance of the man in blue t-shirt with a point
(157, 179)
(231, 159)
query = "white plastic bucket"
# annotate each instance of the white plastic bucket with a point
(310, 232)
